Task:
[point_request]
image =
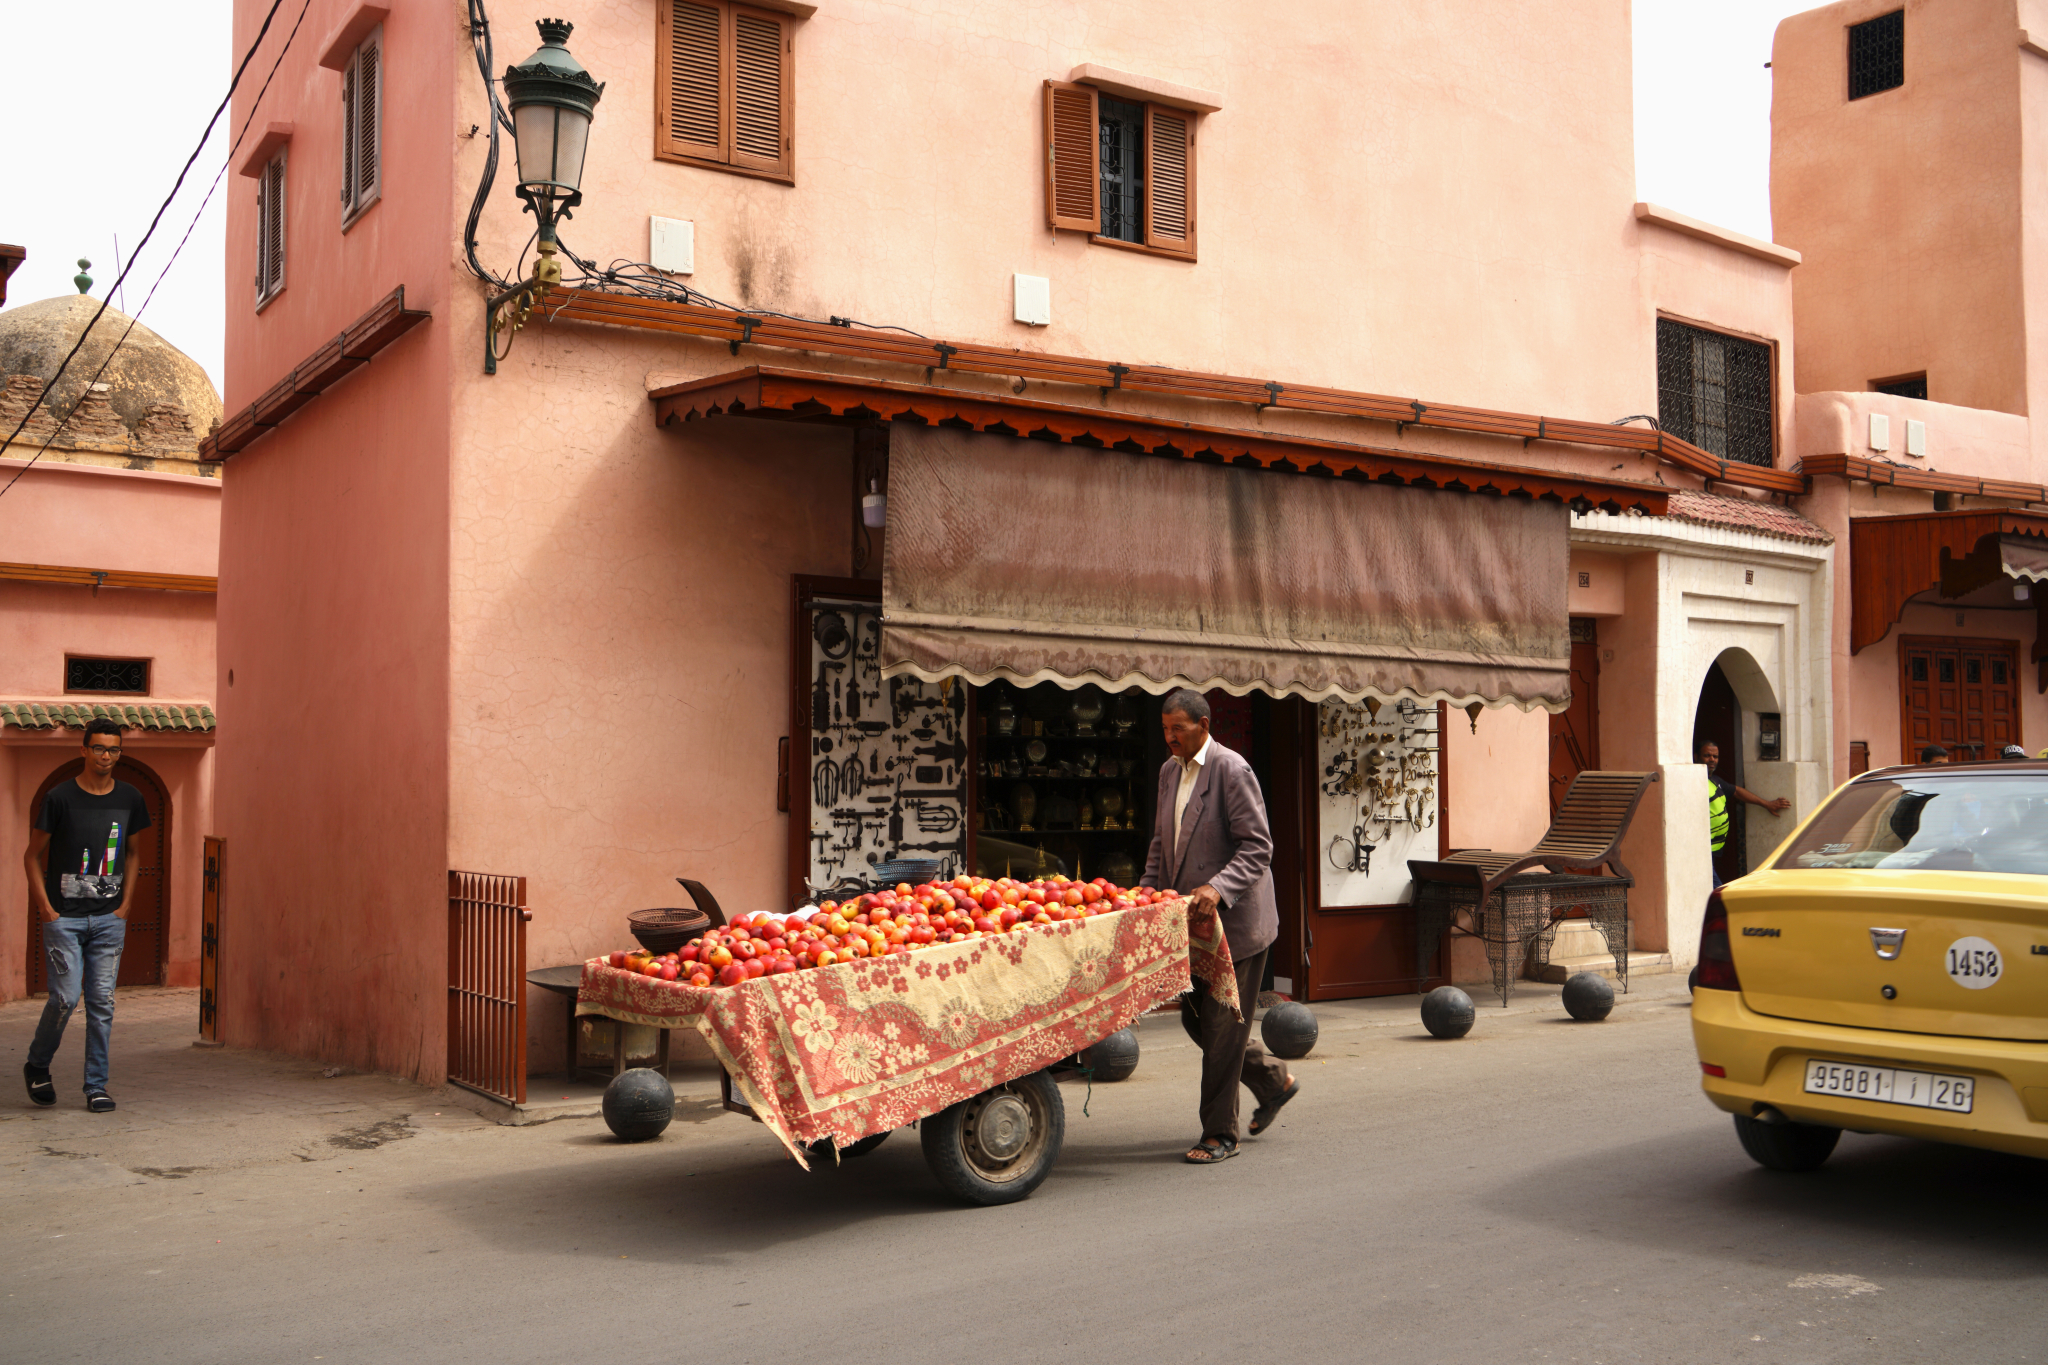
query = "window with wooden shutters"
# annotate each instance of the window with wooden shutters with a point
(270, 230)
(1170, 187)
(1121, 170)
(1073, 173)
(725, 88)
(362, 127)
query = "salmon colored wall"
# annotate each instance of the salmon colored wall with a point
(89, 517)
(620, 641)
(1457, 226)
(40, 623)
(1973, 441)
(334, 565)
(1907, 204)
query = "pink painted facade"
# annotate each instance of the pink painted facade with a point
(73, 514)
(1922, 216)
(504, 623)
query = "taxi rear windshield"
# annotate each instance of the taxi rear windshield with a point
(1966, 822)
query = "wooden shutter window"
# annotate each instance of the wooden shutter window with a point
(689, 109)
(367, 120)
(362, 92)
(724, 87)
(270, 230)
(1073, 157)
(760, 100)
(1169, 180)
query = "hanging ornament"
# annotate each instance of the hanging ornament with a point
(1473, 709)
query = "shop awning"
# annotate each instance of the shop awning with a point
(1894, 559)
(1034, 562)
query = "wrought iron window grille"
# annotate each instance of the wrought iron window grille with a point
(1877, 54)
(1714, 390)
(107, 675)
(1123, 169)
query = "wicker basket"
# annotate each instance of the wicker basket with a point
(665, 930)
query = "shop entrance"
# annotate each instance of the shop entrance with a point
(142, 960)
(1962, 694)
(1066, 781)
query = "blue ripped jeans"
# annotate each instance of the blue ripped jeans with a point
(83, 955)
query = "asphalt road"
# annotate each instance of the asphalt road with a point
(1539, 1191)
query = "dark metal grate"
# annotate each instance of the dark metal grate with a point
(1916, 387)
(1715, 391)
(1123, 169)
(107, 675)
(1877, 54)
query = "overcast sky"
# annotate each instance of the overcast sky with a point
(91, 162)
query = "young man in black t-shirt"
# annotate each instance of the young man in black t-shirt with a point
(78, 884)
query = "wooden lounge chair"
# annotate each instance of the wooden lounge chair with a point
(1473, 890)
(1586, 832)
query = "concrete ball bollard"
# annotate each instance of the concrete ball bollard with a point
(1447, 1012)
(1115, 1057)
(1588, 997)
(638, 1104)
(1289, 1030)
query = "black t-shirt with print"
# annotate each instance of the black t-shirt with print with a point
(89, 839)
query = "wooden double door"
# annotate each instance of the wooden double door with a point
(149, 919)
(1960, 693)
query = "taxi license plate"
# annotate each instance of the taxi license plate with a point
(1891, 1085)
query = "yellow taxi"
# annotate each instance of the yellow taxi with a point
(1886, 971)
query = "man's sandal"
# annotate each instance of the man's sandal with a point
(1211, 1150)
(1263, 1116)
(99, 1101)
(41, 1090)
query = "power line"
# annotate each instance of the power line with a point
(183, 171)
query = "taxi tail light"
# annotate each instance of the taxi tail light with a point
(1717, 962)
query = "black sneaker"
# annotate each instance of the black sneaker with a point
(40, 1091)
(99, 1101)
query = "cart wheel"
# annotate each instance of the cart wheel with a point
(821, 1150)
(999, 1146)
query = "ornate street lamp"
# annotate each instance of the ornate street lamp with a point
(552, 100)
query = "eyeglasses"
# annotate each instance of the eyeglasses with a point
(103, 750)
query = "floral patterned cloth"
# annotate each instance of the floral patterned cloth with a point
(862, 1047)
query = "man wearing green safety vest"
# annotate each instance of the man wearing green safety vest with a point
(1721, 796)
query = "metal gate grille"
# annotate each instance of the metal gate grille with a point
(209, 942)
(487, 918)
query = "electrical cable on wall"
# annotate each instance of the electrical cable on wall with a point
(122, 275)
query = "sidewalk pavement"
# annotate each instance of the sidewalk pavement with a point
(185, 1109)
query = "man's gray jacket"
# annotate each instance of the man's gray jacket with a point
(1226, 844)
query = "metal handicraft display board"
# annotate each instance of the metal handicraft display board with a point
(1376, 785)
(887, 768)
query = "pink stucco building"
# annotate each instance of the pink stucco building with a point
(609, 615)
(109, 528)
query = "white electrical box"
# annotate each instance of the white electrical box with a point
(672, 245)
(1916, 438)
(1034, 299)
(1880, 431)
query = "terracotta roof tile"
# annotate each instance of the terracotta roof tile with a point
(1745, 514)
(143, 715)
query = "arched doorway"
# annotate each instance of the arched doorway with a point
(1735, 691)
(149, 864)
